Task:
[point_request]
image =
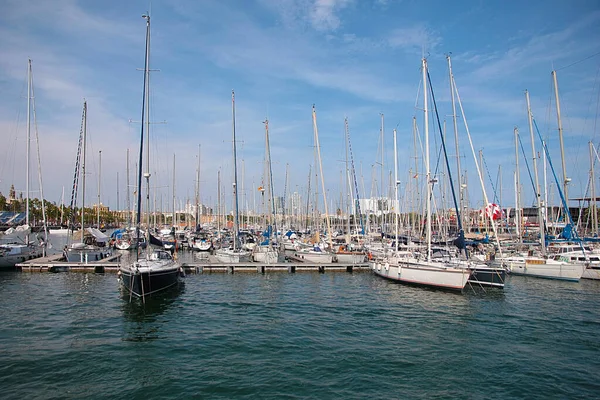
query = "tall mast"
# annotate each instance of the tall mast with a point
(396, 187)
(382, 168)
(140, 163)
(592, 178)
(270, 179)
(99, 178)
(454, 122)
(198, 213)
(83, 166)
(129, 221)
(538, 193)
(427, 171)
(235, 194)
(415, 192)
(173, 219)
(147, 92)
(517, 187)
(316, 133)
(566, 180)
(28, 144)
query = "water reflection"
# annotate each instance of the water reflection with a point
(145, 320)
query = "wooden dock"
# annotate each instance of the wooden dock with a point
(56, 263)
(210, 264)
(207, 264)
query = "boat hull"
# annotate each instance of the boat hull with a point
(350, 258)
(488, 276)
(549, 270)
(265, 256)
(11, 255)
(315, 256)
(228, 256)
(144, 282)
(592, 272)
(423, 274)
(87, 254)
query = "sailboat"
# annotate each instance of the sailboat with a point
(316, 253)
(93, 243)
(159, 270)
(14, 249)
(265, 252)
(542, 266)
(234, 253)
(411, 266)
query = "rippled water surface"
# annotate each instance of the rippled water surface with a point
(304, 335)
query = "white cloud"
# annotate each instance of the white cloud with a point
(417, 37)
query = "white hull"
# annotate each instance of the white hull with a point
(350, 258)
(591, 273)
(315, 256)
(122, 244)
(202, 246)
(549, 269)
(87, 254)
(229, 256)
(265, 255)
(12, 254)
(422, 273)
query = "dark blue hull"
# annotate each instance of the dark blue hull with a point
(142, 284)
(488, 276)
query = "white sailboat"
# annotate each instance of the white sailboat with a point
(235, 253)
(15, 246)
(265, 252)
(158, 270)
(316, 253)
(541, 266)
(412, 266)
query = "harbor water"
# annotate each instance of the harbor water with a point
(304, 335)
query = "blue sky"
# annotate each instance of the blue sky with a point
(351, 58)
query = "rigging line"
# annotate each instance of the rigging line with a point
(577, 62)
(458, 219)
(489, 177)
(527, 165)
(562, 197)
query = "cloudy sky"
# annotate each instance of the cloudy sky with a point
(351, 58)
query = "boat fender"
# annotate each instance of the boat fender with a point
(370, 255)
(387, 266)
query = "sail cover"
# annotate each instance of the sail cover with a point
(100, 237)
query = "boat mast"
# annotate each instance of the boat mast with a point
(235, 194)
(173, 217)
(128, 198)
(198, 189)
(270, 180)
(535, 173)
(28, 146)
(140, 164)
(382, 168)
(316, 133)
(592, 178)
(427, 171)
(517, 188)
(396, 185)
(458, 178)
(83, 166)
(147, 121)
(99, 178)
(566, 179)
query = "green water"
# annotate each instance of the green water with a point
(305, 335)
